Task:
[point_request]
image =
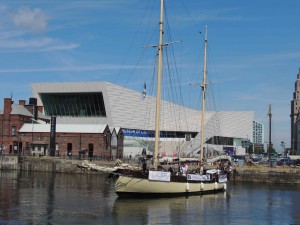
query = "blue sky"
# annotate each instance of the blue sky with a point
(253, 54)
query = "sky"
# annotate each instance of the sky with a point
(253, 49)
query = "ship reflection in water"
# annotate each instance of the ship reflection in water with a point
(189, 210)
(48, 198)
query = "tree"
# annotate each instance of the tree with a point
(258, 150)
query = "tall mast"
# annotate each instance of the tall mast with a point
(270, 134)
(204, 84)
(159, 75)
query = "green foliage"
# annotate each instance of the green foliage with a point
(293, 152)
(259, 150)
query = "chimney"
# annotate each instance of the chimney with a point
(32, 101)
(7, 106)
(32, 107)
(22, 102)
(40, 109)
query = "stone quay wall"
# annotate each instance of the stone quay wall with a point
(46, 164)
(264, 174)
(49, 165)
(8, 162)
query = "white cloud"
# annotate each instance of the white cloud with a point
(71, 68)
(60, 47)
(30, 19)
(22, 43)
(10, 34)
(104, 5)
(41, 44)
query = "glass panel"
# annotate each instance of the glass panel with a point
(14, 131)
(74, 104)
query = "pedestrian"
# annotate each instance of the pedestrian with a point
(184, 169)
(171, 169)
(229, 169)
(201, 169)
(144, 165)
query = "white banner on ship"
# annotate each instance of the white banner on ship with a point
(198, 177)
(159, 176)
(223, 178)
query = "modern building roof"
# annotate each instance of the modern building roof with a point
(225, 124)
(126, 108)
(64, 128)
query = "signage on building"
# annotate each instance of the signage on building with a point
(229, 151)
(52, 136)
(142, 133)
(137, 133)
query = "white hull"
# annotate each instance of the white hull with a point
(132, 185)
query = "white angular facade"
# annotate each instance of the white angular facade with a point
(127, 109)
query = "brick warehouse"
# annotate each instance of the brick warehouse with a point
(25, 130)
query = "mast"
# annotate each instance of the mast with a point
(159, 75)
(203, 86)
(270, 133)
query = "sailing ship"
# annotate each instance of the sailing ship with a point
(165, 183)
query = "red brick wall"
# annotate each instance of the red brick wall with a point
(101, 142)
(7, 122)
(78, 141)
(22, 102)
(7, 106)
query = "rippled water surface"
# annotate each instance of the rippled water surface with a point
(46, 198)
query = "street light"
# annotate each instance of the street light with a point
(206, 141)
(283, 147)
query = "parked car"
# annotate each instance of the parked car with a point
(255, 160)
(296, 162)
(284, 161)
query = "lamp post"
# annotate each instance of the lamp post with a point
(283, 147)
(270, 134)
(247, 145)
(20, 145)
(206, 148)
